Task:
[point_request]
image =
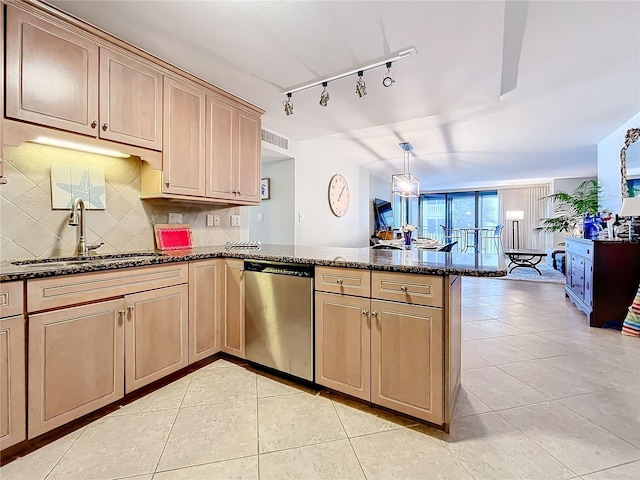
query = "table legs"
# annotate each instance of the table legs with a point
(525, 261)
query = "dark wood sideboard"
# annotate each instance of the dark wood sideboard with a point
(602, 278)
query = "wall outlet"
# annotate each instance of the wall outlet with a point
(216, 220)
(209, 220)
(235, 220)
(175, 218)
(301, 217)
(260, 217)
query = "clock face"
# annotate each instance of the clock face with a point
(338, 195)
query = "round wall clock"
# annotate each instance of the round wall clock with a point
(338, 195)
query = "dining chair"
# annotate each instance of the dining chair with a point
(492, 235)
(451, 235)
(447, 247)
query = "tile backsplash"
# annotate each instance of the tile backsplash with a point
(30, 228)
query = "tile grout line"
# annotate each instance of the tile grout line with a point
(257, 425)
(65, 453)
(172, 425)
(348, 438)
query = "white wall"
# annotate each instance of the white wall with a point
(316, 163)
(277, 225)
(609, 164)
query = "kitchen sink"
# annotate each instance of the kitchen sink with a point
(85, 261)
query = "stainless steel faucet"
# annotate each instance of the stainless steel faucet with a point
(83, 246)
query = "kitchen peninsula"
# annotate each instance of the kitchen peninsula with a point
(387, 325)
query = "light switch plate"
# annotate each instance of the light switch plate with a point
(301, 217)
(260, 217)
(235, 220)
(175, 218)
(209, 220)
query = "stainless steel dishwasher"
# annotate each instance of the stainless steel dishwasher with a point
(279, 316)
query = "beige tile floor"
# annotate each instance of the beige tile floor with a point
(544, 397)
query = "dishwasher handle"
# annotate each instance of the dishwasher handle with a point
(278, 268)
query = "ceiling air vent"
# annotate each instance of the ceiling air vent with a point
(276, 140)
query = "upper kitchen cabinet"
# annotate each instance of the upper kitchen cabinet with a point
(233, 152)
(183, 157)
(59, 78)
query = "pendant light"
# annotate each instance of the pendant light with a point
(405, 184)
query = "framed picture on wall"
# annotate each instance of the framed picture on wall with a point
(265, 189)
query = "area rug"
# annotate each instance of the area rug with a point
(549, 275)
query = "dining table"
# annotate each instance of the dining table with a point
(472, 234)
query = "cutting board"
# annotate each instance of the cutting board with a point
(173, 236)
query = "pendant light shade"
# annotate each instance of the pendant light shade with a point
(405, 184)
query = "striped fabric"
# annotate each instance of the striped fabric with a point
(631, 325)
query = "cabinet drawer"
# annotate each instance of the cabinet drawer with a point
(347, 281)
(11, 298)
(580, 249)
(407, 288)
(67, 290)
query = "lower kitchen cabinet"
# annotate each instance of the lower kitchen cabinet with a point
(343, 344)
(76, 362)
(12, 382)
(157, 335)
(204, 308)
(233, 308)
(407, 359)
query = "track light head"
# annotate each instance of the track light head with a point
(361, 88)
(324, 96)
(288, 105)
(388, 79)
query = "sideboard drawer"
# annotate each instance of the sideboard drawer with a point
(583, 249)
(11, 298)
(407, 288)
(347, 281)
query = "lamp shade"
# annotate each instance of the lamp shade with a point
(405, 185)
(515, 215)
(630, 207)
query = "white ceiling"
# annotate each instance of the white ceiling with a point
(498, 92)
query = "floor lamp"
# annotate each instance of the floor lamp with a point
(515, 216)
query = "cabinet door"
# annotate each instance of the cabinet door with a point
(407, 359)
(183, 138)
(156, 335)
(343, 344)
(248, 158)
(130, 101)
(2, 179)
(204, 308)
(588, 283)
(76, 363)
(221, 138)
(233, 308)
(52, 74)
(13, 413)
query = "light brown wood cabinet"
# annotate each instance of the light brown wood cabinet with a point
(393, 353)
(233, 152)
(58, 78)
(87, 356)
(76, 362)
(233, 307)
(204, 308)
(2, 179)
(156, 335)
(13, 414)
(343, 344)
(183, 157)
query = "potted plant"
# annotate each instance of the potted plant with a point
(569, 209)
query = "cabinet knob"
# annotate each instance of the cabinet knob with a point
(339, 281)
(121, 313)
(94, 124)
(104, 127)
(403, 288)
(167, 183)
(131, 308)
(365, 312)
(374, 313)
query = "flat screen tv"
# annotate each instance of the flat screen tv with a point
(382, 214)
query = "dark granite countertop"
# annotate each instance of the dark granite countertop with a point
(408, 261)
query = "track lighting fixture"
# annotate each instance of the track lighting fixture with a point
(361, 88)
(288, 105)
(324, 96)
(388, 79)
